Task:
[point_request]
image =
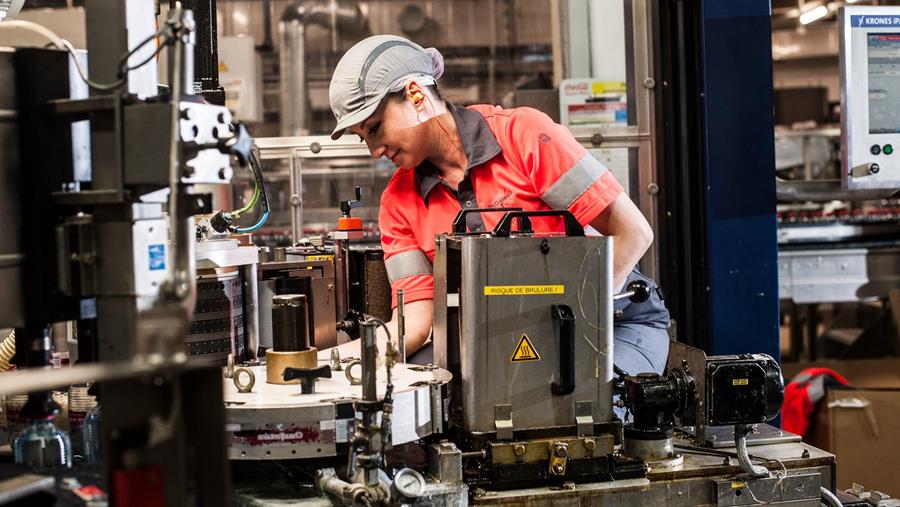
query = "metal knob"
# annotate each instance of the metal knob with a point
(307, 377)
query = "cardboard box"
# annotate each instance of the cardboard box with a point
(859, 425)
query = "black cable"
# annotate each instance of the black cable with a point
(263, 195)
(168, 39)
(257, 173)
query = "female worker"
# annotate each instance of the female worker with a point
(384, 90)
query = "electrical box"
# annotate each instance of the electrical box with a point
(870, 96)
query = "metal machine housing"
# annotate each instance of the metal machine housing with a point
(499, 304)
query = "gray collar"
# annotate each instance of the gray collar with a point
(478, 143)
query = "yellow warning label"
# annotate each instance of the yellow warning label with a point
(525, 351)
(329, 258)
(740, 382)
(738, 484)
(523, 290)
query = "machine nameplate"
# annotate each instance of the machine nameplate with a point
(523, 290)
(525, 351)
(740, 382)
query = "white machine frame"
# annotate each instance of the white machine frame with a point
(868, 159)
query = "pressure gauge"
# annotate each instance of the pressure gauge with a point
(409, 484)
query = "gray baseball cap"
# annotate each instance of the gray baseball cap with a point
(373, 68)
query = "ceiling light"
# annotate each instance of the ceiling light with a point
(814, 14)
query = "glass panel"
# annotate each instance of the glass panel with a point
(325, 183)
(498, 52)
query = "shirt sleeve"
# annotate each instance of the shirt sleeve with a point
(408, 267)
(563, 173)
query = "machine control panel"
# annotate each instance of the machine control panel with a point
(870, 96)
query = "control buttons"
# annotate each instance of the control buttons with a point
(874, 168)
(875, 149)
(887, 149)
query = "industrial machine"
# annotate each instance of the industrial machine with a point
(870, 96)
(837, 212)
(520, 403)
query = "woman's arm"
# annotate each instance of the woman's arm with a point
(624, 221)
(419, 316)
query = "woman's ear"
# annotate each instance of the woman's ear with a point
(416, 95)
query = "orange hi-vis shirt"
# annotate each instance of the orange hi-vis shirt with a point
(517, 158)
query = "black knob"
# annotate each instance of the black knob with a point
(640, 289)
(307, 377)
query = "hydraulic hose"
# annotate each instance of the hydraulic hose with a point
(830, 499)
(740, 443)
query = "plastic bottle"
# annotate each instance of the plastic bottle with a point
(43, 446)
(80, 403)
(92, 435)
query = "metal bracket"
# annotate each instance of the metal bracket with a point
(584, 418)
(503, 421)
(559, 456)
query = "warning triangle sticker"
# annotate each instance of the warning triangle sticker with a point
(525, 351)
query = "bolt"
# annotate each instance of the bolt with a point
(561, 451)
(590, 444)
(519, 450)
(653, 189)
(295, 200)
(568, 485)
(805, 454)
(649, 83)
(558, 469)
(315, 147)
(597, 139)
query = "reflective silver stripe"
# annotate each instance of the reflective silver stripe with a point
(816, 389)
(379, 49)
(576, 180)
(409, 263)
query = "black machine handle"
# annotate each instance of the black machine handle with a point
(307, 376)
(459, 223)
(637, 291)
(564, 318)
(573, 227)
(346, 206)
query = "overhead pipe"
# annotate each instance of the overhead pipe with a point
(345, 15)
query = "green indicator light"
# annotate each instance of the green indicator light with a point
(888, 149)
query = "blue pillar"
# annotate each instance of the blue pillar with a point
(739, 153)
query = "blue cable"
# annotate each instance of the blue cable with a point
(262, 221)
